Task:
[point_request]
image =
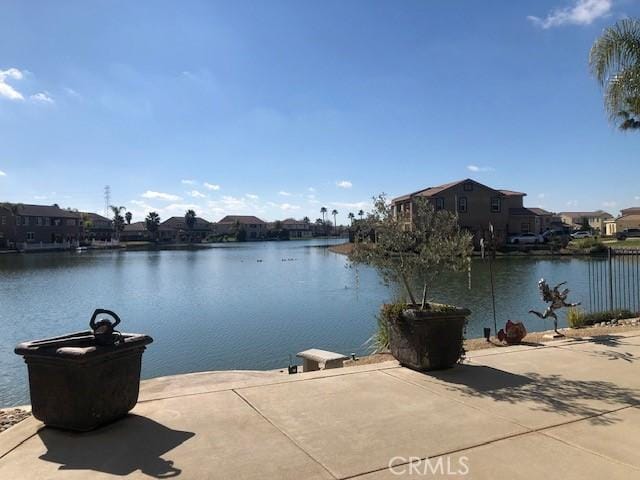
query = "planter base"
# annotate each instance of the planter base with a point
(428, 340)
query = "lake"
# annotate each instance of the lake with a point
(238, 306)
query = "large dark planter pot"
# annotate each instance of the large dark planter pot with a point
(79, 381)
(427, 339)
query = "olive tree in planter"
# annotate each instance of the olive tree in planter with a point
(414, 250)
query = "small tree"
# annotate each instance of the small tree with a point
(410, 249)
(128, 216)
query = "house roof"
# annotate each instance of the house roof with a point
(28, 210)
(135, 227)
(95, 217)
(595, 213)
(241, 219)
(540, 211)
(630, 211)
(293, 221)
(179, 222)
(512, 193)
(522, 211)
(433, 191)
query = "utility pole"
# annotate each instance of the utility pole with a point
(107, 199)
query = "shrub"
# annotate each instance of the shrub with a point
(576, 318)
(590, 245)
(388, 313)
(606, 316)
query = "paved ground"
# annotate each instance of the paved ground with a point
(567, 410)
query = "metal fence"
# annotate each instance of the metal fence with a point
(614, 281)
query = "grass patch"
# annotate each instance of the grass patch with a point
(588, 245)
(628, 243)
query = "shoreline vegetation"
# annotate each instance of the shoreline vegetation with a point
(525, 250)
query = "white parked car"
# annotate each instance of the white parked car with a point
(526, 238)
(581, 234)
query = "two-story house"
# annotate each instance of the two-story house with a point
(46, 224)
(96, 227)
(297, 228)
(175, 229)
(479, 206)
(595, 220)
(254, 227)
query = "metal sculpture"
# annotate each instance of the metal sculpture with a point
(556, 300)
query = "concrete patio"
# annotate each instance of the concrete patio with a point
(568, 409)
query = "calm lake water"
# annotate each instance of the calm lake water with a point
(237, 306)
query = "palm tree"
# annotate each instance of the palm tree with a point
(118, 220)
(323, 211)
(334, 212)
(361, 214)
(190, 221)
(128, 216)
(153, 223)
(615, 62)
(306, 220)
(351, 216)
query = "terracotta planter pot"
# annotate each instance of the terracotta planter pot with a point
(428, 340)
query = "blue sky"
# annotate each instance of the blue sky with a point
(277, 108)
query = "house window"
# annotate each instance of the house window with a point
(496, 205)
(18, 221)
(39, 221)
(31, 236)
(524, 227)
(468, 187)
(71, 222)
(439, 203)
(47, 221)
(4, 220)
(462, 204)
(25, 220)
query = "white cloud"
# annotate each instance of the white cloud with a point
(609, 204)
(542, 195)
(476, 168)
(40, 197)
(252, 196)
(196, 194)
(572, 203)
(311, 189)
(582, 12)
(42, 97)
(160, 196)
(211, 186)
(286, 207)
(344, 184)
(2, 174)
(637, 197)
(188, 182)
(353, 205)
(7, 90)
(71, 92)
(284, 194)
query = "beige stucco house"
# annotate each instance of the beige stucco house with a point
(478, 206)
(596, 219)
